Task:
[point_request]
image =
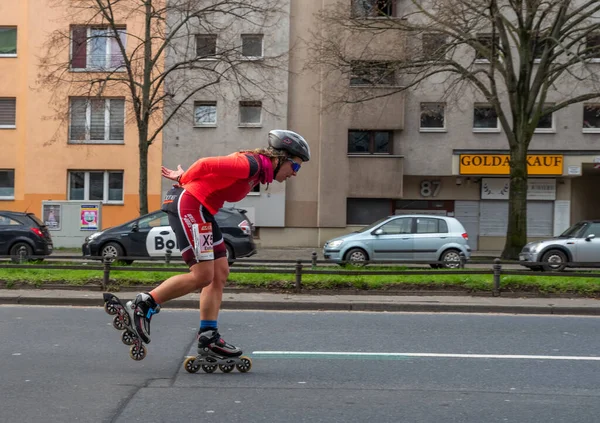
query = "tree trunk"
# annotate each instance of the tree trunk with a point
(143, 186)
(516, 234)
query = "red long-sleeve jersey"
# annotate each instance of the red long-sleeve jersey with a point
(215, 180)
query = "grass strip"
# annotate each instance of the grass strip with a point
(535, 283)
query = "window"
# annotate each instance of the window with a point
(485, 119)
(252, 45)
(432, 117)
(7, 221)
(97, 49)
(591, 118)
(592, 229)
(372, 73)
(97, 121)
(8, 41)
(483, 55)
(205, 113)
(8, 113)
(373, 8)
(398, 226)
(250, 113)
(105, 186)
(538, 48)
(592, 45)
(434, 46)
(153, 220)
(7, 184)
(206, 45)
(370, 142)
(365, 211)
(426, 225)
(546, 123)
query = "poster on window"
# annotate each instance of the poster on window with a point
(89, 217)
(51, 214)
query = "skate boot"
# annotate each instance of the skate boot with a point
(214, 352)
(125, 321)
(141, 311)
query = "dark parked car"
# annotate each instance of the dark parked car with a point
(151, 236)
(23, 232)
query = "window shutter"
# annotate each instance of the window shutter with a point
(8, 112)
(97, 120)
(77, 124)
(117, 120)
(79, 47)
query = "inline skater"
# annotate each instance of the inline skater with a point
(191, 204)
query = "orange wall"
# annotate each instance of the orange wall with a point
(38, 148)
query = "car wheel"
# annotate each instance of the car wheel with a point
(16, 249)
(114, 250)
(230, 255)
(451, 259)
(555, 260)
(356, 257)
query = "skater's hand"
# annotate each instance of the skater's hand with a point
(172, 174)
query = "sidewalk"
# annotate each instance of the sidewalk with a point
(308, 302)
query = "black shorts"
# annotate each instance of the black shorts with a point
(199, 237)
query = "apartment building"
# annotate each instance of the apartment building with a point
(421, 152)
(59, 144)
(242, 65)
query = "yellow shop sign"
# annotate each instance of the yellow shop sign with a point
(498, 164)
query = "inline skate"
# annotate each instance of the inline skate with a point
(215, 353)
(133, 319)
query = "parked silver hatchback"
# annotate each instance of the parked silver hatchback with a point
(579, 244)
(403, 238)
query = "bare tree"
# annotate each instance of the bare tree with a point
(148, 52)
(528, 59)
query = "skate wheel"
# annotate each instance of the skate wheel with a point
(119, 323)
(137, 353)
(128, 337)
(110, 308)
(209, 368)
(189, 365)
(245, 365)
(226, 368)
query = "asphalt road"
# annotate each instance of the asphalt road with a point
(68, 364)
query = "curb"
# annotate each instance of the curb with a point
(326, 306)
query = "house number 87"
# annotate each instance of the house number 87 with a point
(430, 188)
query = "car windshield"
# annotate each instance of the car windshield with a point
(573, 230)
(372, 225)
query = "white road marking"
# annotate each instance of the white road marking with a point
(375, 355)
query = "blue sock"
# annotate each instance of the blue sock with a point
(207, 324)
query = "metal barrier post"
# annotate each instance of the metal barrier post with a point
(298, 275)
(107, 260)
(168, 257)
(314, 260)
(463, 260)
(22, 252)
(497, 271)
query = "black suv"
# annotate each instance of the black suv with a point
(23, 232)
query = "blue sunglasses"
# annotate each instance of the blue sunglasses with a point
(295, 166)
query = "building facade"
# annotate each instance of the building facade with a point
(420, 152)
(242, 65)
(59, 144)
